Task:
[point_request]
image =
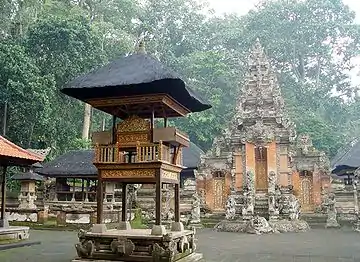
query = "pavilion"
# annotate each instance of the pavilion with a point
(13, 155)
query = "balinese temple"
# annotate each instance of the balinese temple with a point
(261, 140)
(346, 161)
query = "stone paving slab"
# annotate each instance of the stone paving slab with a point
(318, 245)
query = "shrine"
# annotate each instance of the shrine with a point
(139, 90)
(258, 166)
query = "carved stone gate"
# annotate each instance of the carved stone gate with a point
(306, 191)
(219, 190)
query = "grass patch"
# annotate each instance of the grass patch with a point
(9, 241)
(138, 221)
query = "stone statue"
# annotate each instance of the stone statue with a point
(258, 225)
(195, 209)
(249, 204)
(356, 201)
(230, 208)
(272, 182)
(166, 213)
(294, 207)
(331, 221)
(190, 184)
(217, 148)
(250, 181)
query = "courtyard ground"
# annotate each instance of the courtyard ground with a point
(316, 246)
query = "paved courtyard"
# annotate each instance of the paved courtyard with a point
(315, 246)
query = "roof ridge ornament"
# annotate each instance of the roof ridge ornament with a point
(140, 44)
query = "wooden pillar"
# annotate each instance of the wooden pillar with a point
(158, 201)
(177, 203)
(152, 125)
(165, 122)
(114, 130)
(3, 193)
(123, 202)
(99, 199)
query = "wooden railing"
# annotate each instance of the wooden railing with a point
(150, 152)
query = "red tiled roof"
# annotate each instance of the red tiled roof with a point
(10, 150)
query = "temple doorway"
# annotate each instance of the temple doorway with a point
(306, 191)
(219, 190)
(261, 178)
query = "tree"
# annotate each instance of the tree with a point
(28, 92)
(310, 43)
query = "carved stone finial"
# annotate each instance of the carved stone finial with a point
(141, 47)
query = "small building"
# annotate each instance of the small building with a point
(345, 162)
(13, 155)
(27, 196)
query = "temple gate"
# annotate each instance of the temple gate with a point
(259, 147)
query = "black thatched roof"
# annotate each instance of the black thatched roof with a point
(191, 156)
(137, 74)
(30, 175)
(79, 163)
(75, 163)
(348, 158)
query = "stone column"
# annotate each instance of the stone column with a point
(73, 194)
(356, 203)
(87, 190)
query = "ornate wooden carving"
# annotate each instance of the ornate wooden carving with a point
(133, 124)
(306, 191)
(169, 175)
(149, 173)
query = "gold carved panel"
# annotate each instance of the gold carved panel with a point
(133, 124)
(129, 138)
(306, 193)
(137, 173)
(219, 199)
(169, 175)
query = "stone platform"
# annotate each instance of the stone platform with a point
(17, 233)
(136, 245)
(262, 226)
(194, 257)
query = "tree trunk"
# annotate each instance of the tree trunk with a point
(87, 120)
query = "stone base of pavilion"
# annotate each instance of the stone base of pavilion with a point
(14, 233)
(147, 245)
(262, 226)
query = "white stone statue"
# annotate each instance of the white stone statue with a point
(230, 208)
(195, 209)
(249, 204)
(272, 181)
(331, 212)
(190, 184)
(294, 208)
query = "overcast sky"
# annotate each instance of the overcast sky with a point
(243, 6)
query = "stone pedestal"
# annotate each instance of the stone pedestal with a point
(136, 245)
(27, 195)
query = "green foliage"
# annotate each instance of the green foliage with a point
(44, 44)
